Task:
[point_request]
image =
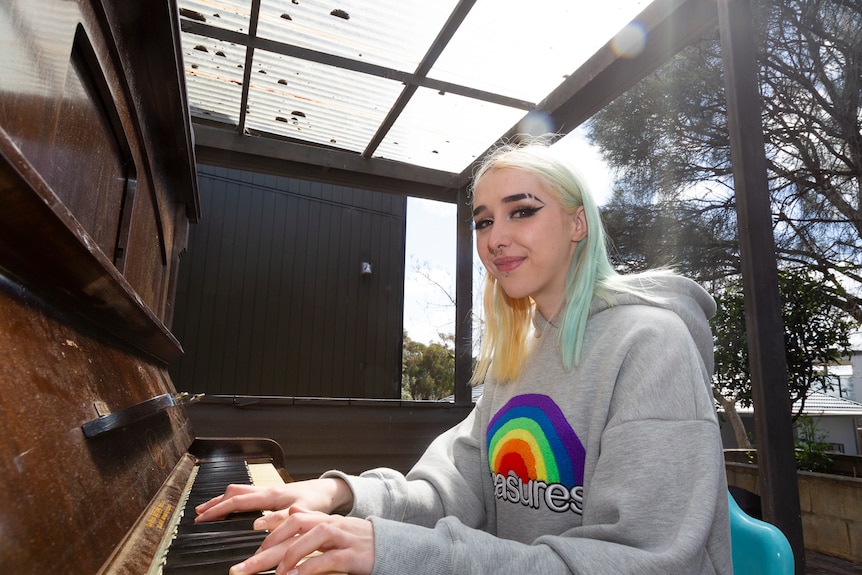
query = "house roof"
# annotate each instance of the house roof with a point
(819, 403)
(405, 96)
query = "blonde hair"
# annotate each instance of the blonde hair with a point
(508, 321)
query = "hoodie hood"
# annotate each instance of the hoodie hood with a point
(680, 295)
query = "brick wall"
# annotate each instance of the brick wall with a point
(831, 508)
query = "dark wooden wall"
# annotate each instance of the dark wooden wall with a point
(270, 299)
(321, 434)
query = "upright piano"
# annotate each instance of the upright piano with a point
(97, 191)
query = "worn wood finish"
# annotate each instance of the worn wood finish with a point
(69, 499)
(44, 247)
(96, 192)
(80, 203)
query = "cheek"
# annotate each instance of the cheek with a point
(483, 256)
(487, 262)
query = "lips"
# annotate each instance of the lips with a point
(507, 263)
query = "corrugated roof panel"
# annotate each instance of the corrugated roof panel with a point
(395, 34)
(214, 72)
(317, 103)
(445, 131)
(228, 14)
(542, 43)
(503, 47)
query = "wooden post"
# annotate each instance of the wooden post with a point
(779, 489)
(463, 300)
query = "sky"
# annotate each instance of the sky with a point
(430, 252)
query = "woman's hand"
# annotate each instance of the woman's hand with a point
(344, 545)
(325, 495)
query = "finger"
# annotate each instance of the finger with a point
(322, 537)
(263, 560)
(271, 520)
(236, 498)
(346, 545)
(230, 491)
(296, 508)
(268, 555)
(328, 563)
(291, 524)
(208, 504)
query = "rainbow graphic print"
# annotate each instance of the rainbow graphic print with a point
(535, 455)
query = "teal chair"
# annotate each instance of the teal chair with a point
(758, 548)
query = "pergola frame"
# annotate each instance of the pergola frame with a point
(671, 25)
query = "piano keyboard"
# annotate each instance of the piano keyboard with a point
(212, 548)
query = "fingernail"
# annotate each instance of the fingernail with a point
(259, 523)
(237, 569)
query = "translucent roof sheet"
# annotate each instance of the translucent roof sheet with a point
(230, 15)
(525, 49)
(445, 131)
(308, 101)
(214, 78)
(431, 84)
(391, 34)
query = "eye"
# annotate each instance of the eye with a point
(525, 212)
(482, 224)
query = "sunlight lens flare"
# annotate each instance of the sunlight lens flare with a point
(630, 41)
(536, 123)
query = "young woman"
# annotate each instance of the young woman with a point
(594, 448)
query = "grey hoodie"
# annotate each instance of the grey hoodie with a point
(614, 467)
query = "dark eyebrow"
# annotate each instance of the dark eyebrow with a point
(519, 197)
(508, 200)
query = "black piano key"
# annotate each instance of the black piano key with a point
(218, 568)
(234, 552)
(212, 567)
(207, 538)
(189, 515)
(229, 524)
(211, 481)
(213, 547)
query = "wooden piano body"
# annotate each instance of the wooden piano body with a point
(97, 190)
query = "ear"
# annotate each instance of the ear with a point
(579, 224)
